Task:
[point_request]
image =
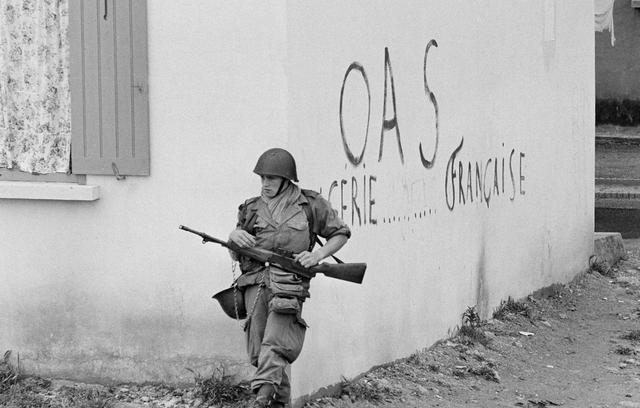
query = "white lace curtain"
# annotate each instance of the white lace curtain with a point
(35, 124)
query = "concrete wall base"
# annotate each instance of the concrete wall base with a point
(608, 246)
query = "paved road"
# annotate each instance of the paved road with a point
(618, 160)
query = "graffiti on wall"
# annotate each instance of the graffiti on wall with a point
(389, 98)
(466, 181)
(484, 179)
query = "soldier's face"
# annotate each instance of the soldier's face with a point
(271, 185)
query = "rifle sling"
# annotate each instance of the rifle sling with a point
(313, 238)
(335, 258)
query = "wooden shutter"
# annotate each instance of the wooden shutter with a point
(109, 91)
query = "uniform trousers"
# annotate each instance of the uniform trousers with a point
(273, 341)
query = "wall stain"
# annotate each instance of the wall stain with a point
(482, 289)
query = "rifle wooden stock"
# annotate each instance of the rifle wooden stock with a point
(351, 272)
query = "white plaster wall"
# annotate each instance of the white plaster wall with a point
(112, 290)
(499, 86)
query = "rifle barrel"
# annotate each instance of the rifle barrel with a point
(205, 237)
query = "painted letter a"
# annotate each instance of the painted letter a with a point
(388, 124)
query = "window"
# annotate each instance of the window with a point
(105, 101)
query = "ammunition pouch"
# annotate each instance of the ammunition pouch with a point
(288, 291)
(284, 305)
(287, 285)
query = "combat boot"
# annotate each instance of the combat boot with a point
(266, 396)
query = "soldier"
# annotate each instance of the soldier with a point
(283, 218)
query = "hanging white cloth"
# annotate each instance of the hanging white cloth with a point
(603, 11)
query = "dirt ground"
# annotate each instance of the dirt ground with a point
(575, 345)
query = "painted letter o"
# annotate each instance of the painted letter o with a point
(355, 160)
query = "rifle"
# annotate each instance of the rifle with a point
(351, 272)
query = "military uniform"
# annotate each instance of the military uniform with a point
(275, 329)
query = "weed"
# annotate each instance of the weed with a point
(511, 306)
(470, 335)
(486, 372)
(625, 351)
(417, 359)
(462, 373)
(32, 392)
(18, 398)
(633, 335)
(471, 329)
(366, 389)
(471, 318)
(86, 398)
(219, 388)
(9, 374)
(600, 265)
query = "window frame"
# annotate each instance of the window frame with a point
(139, 85)
(19, 175)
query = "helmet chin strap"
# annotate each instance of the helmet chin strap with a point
(282, 186)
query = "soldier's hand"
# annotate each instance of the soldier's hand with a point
(242, 238)
(308, 259)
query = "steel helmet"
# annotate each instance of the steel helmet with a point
(277, 162)
(232, 303)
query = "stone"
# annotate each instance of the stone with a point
(629, 404)
(609, 246)
(58, 384)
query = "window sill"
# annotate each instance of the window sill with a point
(26, 190)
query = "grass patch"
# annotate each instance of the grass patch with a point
(220, 388)
(486, 372)
(471, 330)
(417, 359)
(30, 392)
(633, 335)
(511, 306)
(625, 351)
(86, 398)
(471, 335)
(9, 374)
(366, 389)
